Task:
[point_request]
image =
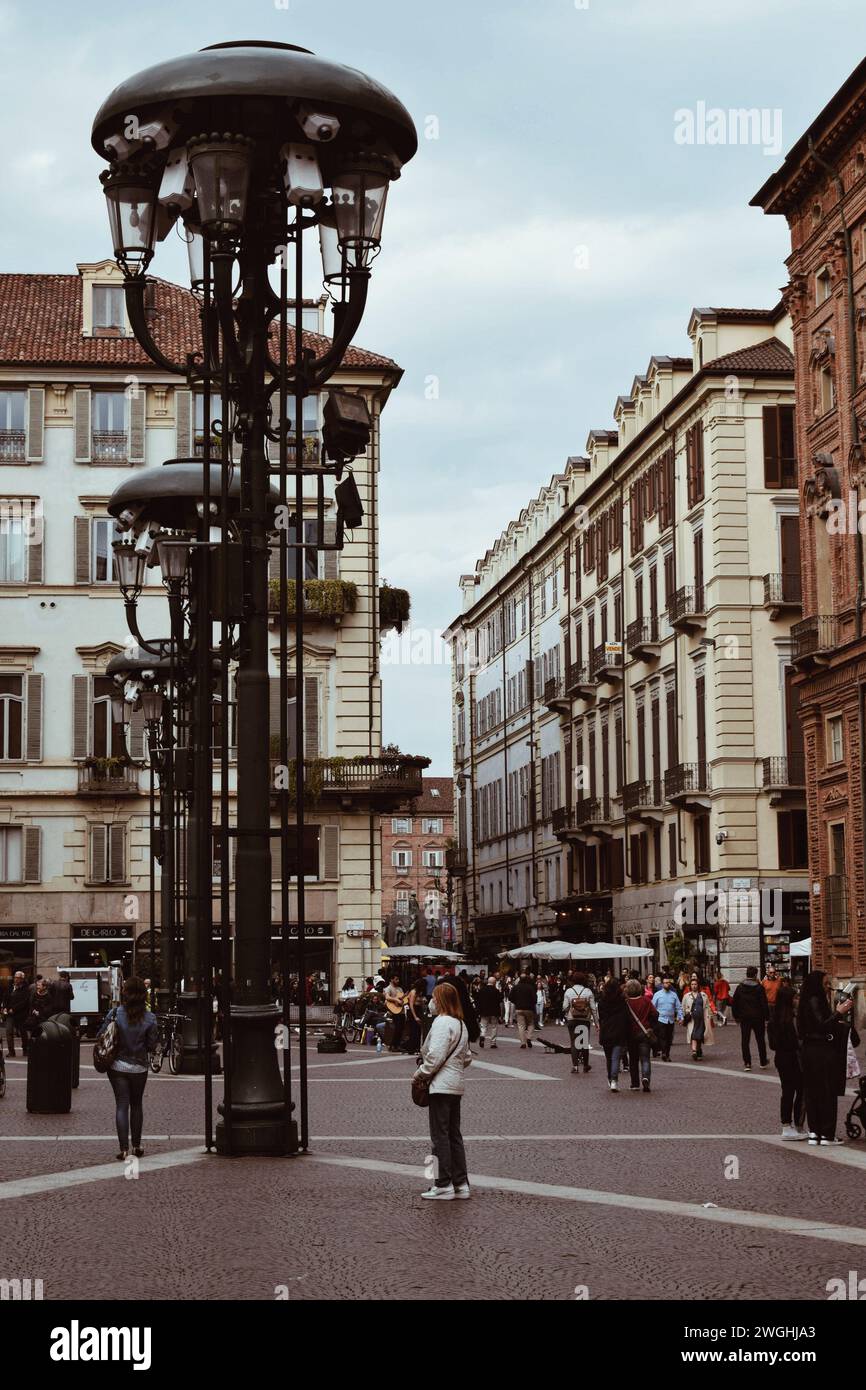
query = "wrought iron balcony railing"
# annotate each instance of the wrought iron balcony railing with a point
(98, 779)
(12, 446)
(643, 796)
(579, 680)
(687, 779)
(109, 446)
(606, 660)
(685, 604)
(641, 635)
(784, 772)
(591, 810)
(378, 780)
(783, 590)
(818, 635)
(554, 691)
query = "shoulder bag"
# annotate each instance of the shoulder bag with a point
(649, 1034)
(421, 1084)
(107, 1045)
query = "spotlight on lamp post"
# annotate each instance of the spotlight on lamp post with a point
(247, 141)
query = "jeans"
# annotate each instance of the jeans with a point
(579, 1055)
(128, 1088)
(666, 1037)
(489, 1028)
(639, 1061)
(508, 1010)
(447, 1141)
(613, 1054)
(791, 1077)
(539, 1015)
(747, 1027)
(525, 1025)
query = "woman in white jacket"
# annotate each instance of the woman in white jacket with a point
(445, 1055)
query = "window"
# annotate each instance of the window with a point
(695, 464)
(433, 858)
(110, 420)
(433, 825)
(310, 320)
(108, 307)
(13, 548)
(793, 842)
(835, 745)
(827, 392)
(198, 422)
(13, 436)
(401, 859)
(108, 853)
(401, 902)
(11, 718)
(780, 453)
(103, 532)
(672, 850)
(401, 825)
(823, 286)
(702, 844)
(11, 855)
(107, 736)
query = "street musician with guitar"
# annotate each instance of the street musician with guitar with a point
(395, 1003)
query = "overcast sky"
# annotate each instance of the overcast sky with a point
(551, 237)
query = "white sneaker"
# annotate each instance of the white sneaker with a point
(462, 1191)
(825, 1142)
(440, 1194)
(802, 1134)
(614, 1086)
(789, 1132)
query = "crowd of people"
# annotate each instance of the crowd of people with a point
(24, 1006)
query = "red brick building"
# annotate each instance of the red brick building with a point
(821, 190)
(414, 841)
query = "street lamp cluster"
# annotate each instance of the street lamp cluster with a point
(245, 146)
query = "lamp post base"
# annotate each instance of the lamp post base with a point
(197, 1035)
(256, 1122)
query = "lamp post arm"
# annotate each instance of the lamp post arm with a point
(346, 326)
(132, 620)
(134, 291)
(221, 263)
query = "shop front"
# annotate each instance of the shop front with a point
(17, 952)
(496, 932)
(100, 946)
(318, 962)
(779, 935)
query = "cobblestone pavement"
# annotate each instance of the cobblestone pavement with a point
(685, 1193)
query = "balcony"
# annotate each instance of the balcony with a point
(554, 695)
(579, 683)
(686, 608)
(782, 592)
(644, 800)
(606, 662)
(688, 785)
(380, 784)
(107, 777)
(394, 608)
(326, 601)
(456, 862)
(109, 446)
(591, 815)
(784, 778)
(814, 640)
(836, 905)
(642, 639)
(12, 446)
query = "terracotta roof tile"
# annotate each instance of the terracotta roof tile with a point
(771, 355)
(41, 318)
(442, 804)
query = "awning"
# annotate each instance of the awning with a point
(582, 950)
(419, 953)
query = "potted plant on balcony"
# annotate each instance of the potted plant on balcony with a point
(394, 607)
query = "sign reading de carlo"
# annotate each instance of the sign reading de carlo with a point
(104, 934)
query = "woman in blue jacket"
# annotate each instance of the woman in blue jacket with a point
(137, 1032)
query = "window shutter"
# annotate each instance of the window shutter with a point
(233, 856)
(277, 857)
(183, 441)
(80, 716)
(35, 553)
(274, 706)
(98, 853)
(311, 717)
(34, 718)
(274, 561)
(32, 854)
(35, 424)
(116, 852)
(329, 853)
(772, 465)
(331, 565)
(136, 407)
(81, 413)
(136, 736)
(82, 550)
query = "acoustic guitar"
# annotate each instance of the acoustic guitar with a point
(395, 1006)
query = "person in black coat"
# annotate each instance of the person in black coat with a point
(785, 1042)
(470, 1018)
(824, 1041)
(614, 1028)
(488, 1003)
(17, 1009)
(751, 1010)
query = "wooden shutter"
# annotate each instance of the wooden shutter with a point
(32, 854)
(329, 852)
(311, 717)
(34, 718)
(82, 550)
(99, 853)
(35, 424)
(116, 852)
(136, 402)
(80, 716)
(81, 416)
(274, 706)
(233, 857)
(331, 564)
(772, 461)
(277, 855)
(136, 736)
(35, 553)
(183, 440)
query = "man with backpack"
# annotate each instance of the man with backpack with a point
(579, 1009)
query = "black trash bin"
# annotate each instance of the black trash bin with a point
(49, 1067)
(72, 1024)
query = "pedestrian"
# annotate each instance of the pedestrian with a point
(541, 1000)
(445, 1055)
(613, 1030)
(17, 1009)
(641, 1025)
(470, 1017)
(698, 1012)
(42, 1004)
(137, 1036)
(785, 1042)
(348, 991)
(523, 999)
(429, 982)
(751, 1010)
(507, 1006)
(723, 998)
(488, 1005)
(666, 1003)
(824, 1036)
(580, 1011)
(771, 984)
(395, 1003)
(63, 992)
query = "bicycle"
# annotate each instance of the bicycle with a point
(169, 1044)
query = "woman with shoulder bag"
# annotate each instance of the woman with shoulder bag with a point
(643, 1018)
(136, 1033)
(699, 1013)
(445, 1055)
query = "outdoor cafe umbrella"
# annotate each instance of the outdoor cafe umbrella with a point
(419, 953)
(578, 950)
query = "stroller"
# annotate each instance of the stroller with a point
(857, 1112)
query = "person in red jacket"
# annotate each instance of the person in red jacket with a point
(722, 991)
(642, 1018)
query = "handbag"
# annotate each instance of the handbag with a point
(650, 1035)
(421, 1084)
(107, 1045)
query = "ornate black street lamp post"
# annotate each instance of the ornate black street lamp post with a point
(239, 142)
